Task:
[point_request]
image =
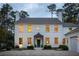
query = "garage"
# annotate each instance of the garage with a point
(73, 43)
(73, 40)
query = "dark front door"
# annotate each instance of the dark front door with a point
(38, 40)
(38, 43)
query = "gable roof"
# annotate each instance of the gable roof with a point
(39, 21)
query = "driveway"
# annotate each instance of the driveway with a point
(38, 52)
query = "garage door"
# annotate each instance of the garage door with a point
(73, 43)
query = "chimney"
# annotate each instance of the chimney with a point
(59, 14)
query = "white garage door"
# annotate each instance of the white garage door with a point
(73, 43)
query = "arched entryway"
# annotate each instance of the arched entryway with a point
(38, 40)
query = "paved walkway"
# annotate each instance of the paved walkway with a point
(38, 52)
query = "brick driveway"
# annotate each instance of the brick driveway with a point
(38, 52)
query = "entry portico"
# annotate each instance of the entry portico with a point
(38, 40)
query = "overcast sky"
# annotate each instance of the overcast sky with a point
(34, 9)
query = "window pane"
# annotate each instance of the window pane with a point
(20, 41)
(63, 41)
(29, 28)
(21, 27)
(56, 40)
(55, 27)
(47, 28)
(47, 40)
(29, 40)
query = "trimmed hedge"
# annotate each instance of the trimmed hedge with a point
(30, 47)
(63, 47)
(47, 47)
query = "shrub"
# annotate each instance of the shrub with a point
(47, 47)
(30, 47)
(16, 46)
(63, 47)
(41, 45)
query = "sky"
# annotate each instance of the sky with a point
(35, 9)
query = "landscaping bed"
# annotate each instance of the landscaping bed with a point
(47, 47)
(28, 48)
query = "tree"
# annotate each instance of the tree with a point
(70, 13)
(52, 8)
(6, 8)
(23, 14)
(3, 35)
(7, 23)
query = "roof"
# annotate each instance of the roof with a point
(70, 25)
(39, 21)
(75, 30)
(45, 20)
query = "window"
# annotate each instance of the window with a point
(56, 40)
(29, 39)
(47, 41)
(29, 28)
(20, 42)
(21, 27)
(63, 41)
(55, 27)
(47, 28)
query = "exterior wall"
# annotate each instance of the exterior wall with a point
(73, 42)
(51, 34)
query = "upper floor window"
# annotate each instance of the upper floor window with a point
(56, 40)
(29, 27)
(47, 28)
(47, 40)
(21, 27)
(29, 39)
(56, 27)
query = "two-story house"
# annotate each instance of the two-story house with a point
(40, 31)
